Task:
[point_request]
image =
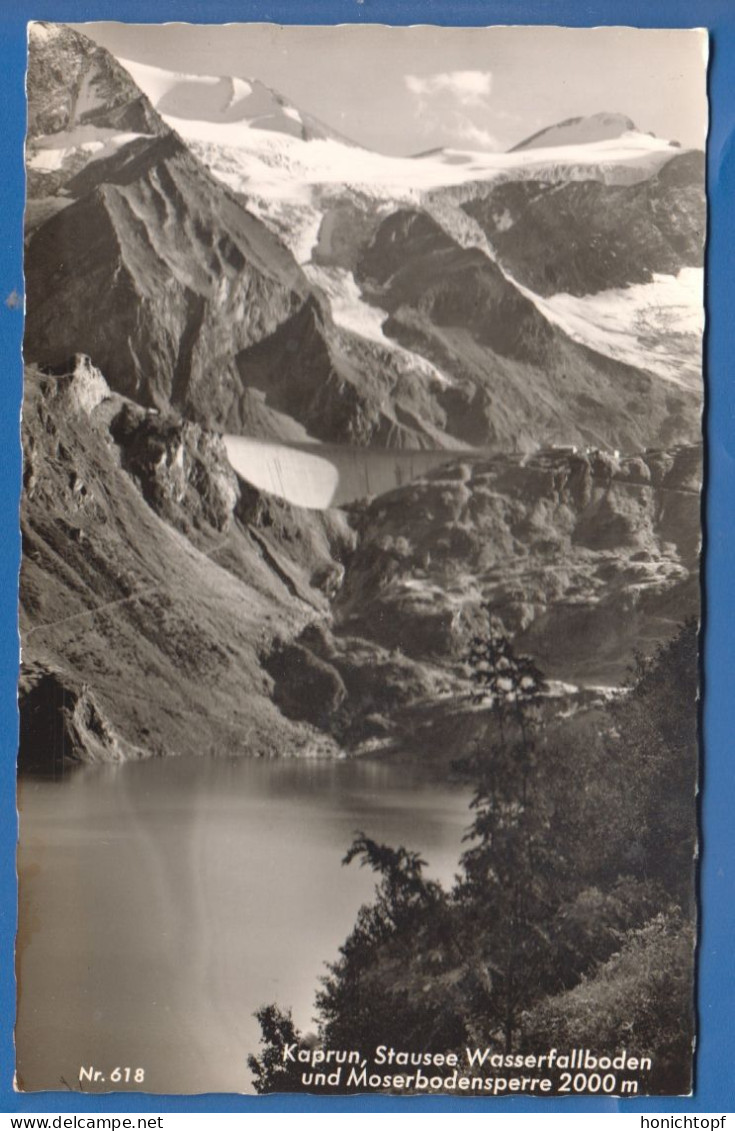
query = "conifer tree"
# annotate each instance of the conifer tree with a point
(509, 865)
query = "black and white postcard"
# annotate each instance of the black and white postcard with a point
(361, 529)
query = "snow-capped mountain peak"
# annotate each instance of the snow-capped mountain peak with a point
(261, 144)
(581, 131)
(224, 100)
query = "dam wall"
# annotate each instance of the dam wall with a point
(319, 476)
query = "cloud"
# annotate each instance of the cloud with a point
(476, 137)
(469, 88)
(447, 101)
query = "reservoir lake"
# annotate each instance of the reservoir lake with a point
(162, 902)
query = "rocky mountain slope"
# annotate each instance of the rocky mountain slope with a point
(582, 557)
(159, 275)
(583, 237)
(160, 597)
(162, 276)
(529, 380)
(235, 622)
(82, 105)
(151, 582)
(73, 83)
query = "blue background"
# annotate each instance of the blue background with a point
(715, 1087)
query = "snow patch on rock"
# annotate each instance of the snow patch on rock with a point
(351, 312)
(51, 152)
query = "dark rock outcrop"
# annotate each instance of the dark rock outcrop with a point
(73, 82)
(583, 558)
(582, 237)
(340, 387)
(182, 469)
(62, 724)
(305, 686)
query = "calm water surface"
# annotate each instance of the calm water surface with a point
(162, 902)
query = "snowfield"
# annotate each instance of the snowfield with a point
(282, 163)
(655, 326)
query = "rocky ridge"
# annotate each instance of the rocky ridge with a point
(163, 276)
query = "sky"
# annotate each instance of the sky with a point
(405, 90)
